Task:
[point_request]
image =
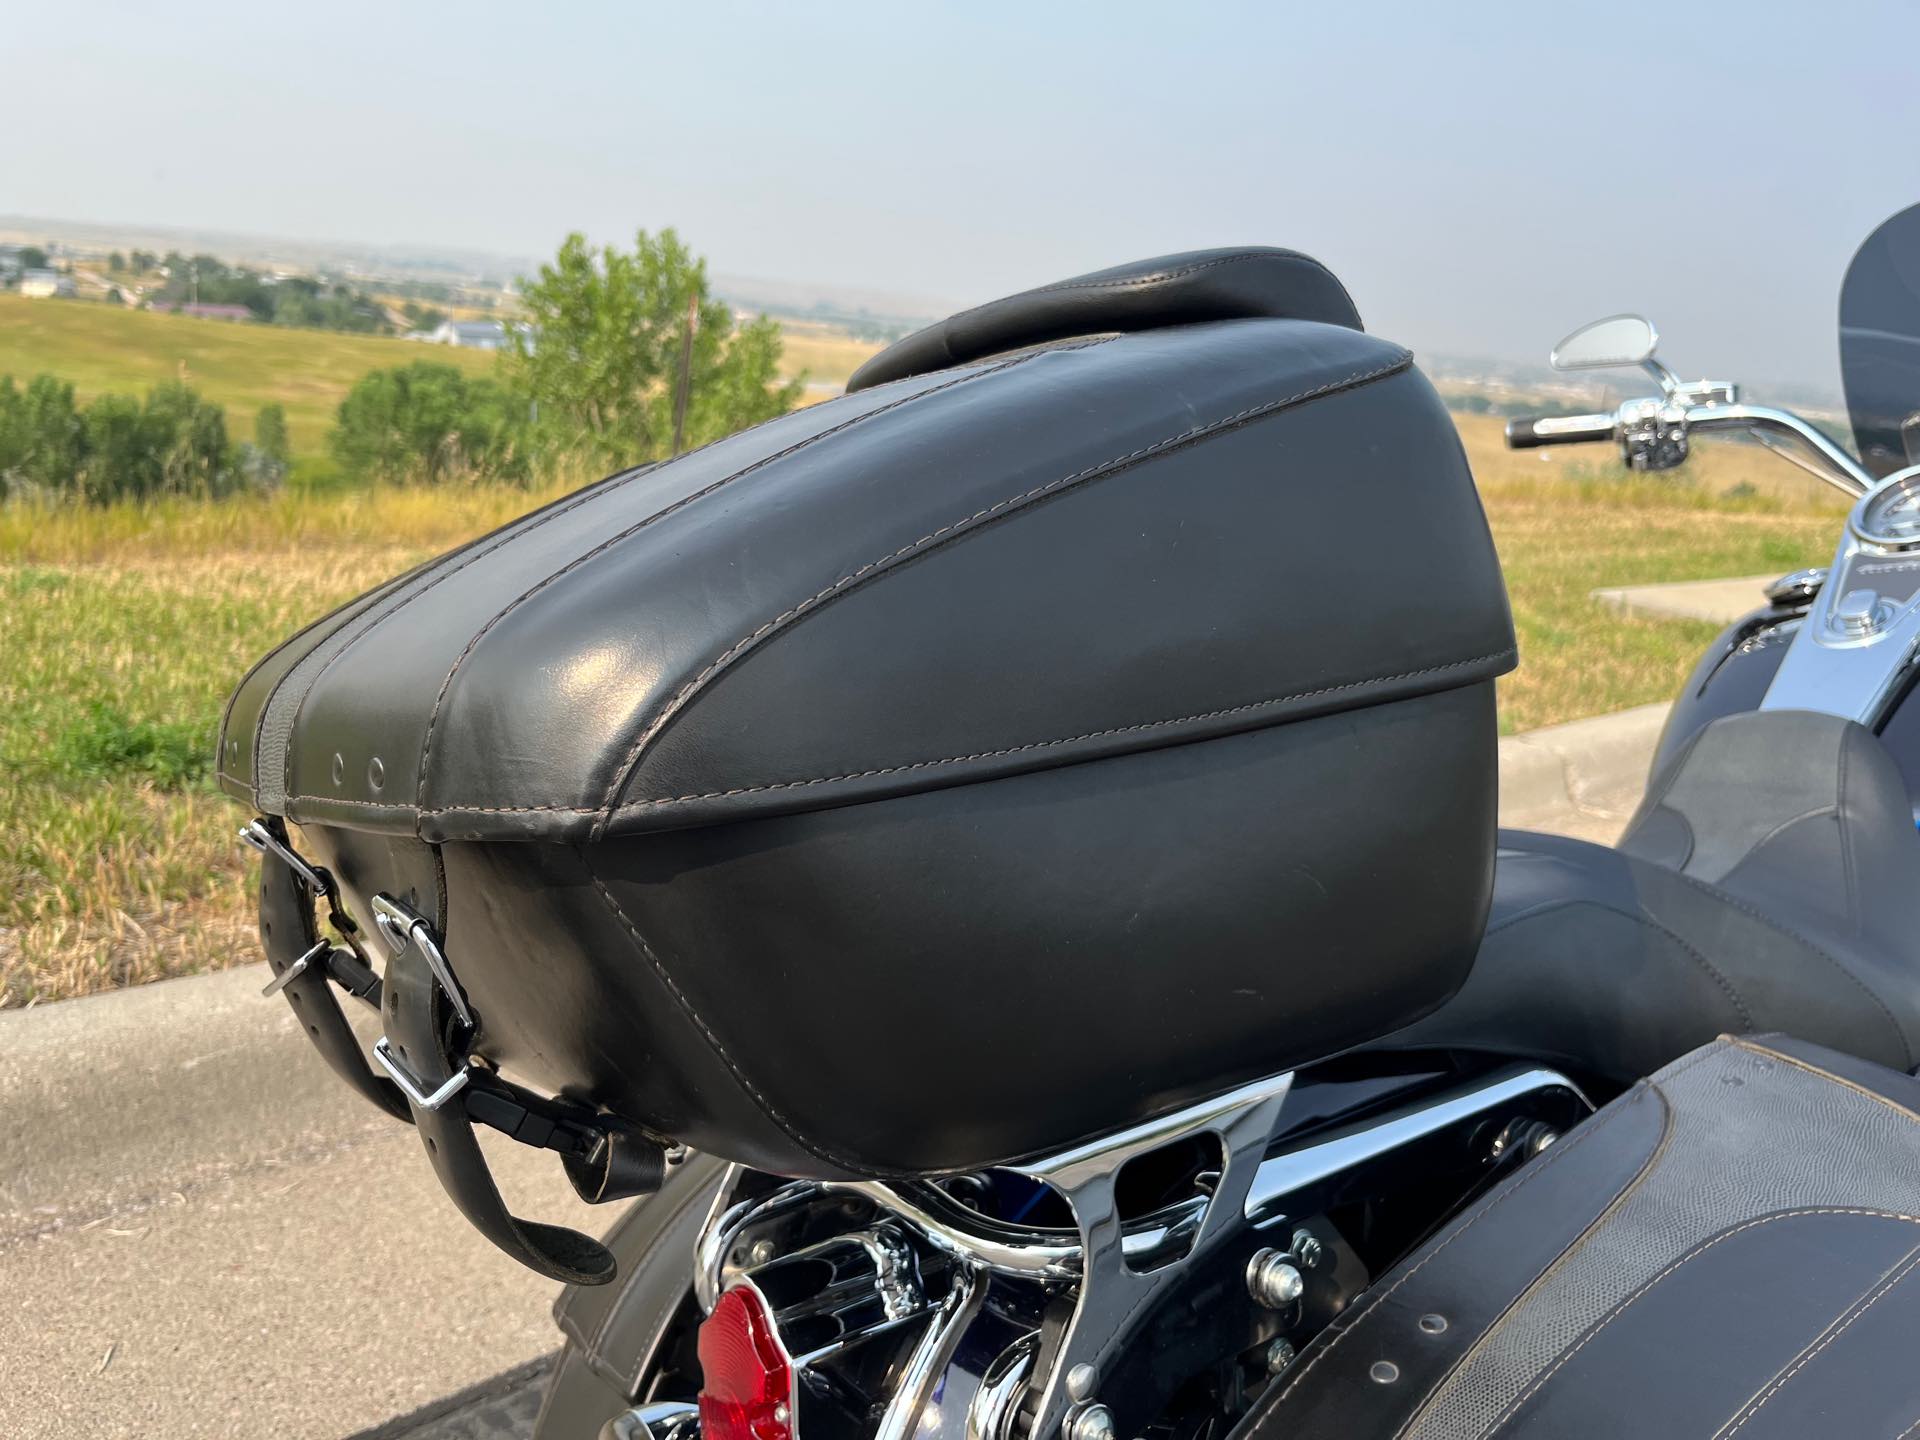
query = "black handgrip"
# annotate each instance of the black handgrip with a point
(1238, 284)
(1526, 434)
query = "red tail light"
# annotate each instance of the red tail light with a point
(747, 1390)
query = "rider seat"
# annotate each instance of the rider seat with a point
(1770, 881)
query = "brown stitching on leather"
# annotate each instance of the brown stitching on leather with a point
(1372, 1306)
(1145, 726)
(1887, 1282)
(1149, 725)
(1735, 902)
(767, 1107)
(1647, 1168)
(1560, 1261)
(956, 528)
(468, 554)
(1641, 1291)
(1758, 1049)
(433, 717)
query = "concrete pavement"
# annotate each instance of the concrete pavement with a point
(1719, 602)
(203, 1233)
(1582, 779)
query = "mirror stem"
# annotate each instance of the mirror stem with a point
(1669, 382)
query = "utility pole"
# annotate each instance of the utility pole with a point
(686, 372)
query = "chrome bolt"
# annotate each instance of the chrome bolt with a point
(1384, 1372)
(1080, 1381)
(1274, 1280)
(1307, 1250)
(1279, 1355)
(761, 1252)
(1091, 1422)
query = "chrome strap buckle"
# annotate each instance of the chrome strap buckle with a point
(256, 834)
(400, 925)
(409, 1083)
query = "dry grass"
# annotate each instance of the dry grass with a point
(121, 631)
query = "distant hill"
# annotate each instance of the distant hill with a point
(242, 367)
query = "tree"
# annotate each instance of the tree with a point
(56, 439)
(600, 362)
(426, 421)
(116, 262)
(188, 436)
(265, 461)
(120, 454)
(32, 257)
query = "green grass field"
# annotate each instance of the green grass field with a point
(121, 631)
(242, 367)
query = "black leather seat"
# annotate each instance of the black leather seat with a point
(1728, 1249)
(1770, 881)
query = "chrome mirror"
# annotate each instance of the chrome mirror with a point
(1617, 340)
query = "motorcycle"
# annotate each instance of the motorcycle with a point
(1004, 863)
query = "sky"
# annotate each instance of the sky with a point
(1483, 177)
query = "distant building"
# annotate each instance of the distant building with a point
(45, 284)
(467, 334)
(203, 312)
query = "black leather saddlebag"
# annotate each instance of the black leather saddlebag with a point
(987, 758)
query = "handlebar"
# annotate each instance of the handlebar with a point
(1762, 422)
(1523, 434)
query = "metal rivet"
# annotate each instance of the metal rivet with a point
(1279, 1355)
(761, 1253)
(339, 768)
(1433, 1324)
(1306, 1249)
(1080, 1381)
(1384, 1372)
(1274, 1280)
(376, 773)
(1091, 1422)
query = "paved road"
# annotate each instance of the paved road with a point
(202, 1233)
(1718, 602)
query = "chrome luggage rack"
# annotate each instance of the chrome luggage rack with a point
(1049, 1383)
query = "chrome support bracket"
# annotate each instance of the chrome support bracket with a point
(1111, 1293)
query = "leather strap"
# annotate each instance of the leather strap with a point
(423, 1031)
(288, 932)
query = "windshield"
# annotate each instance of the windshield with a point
(1880, 344)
